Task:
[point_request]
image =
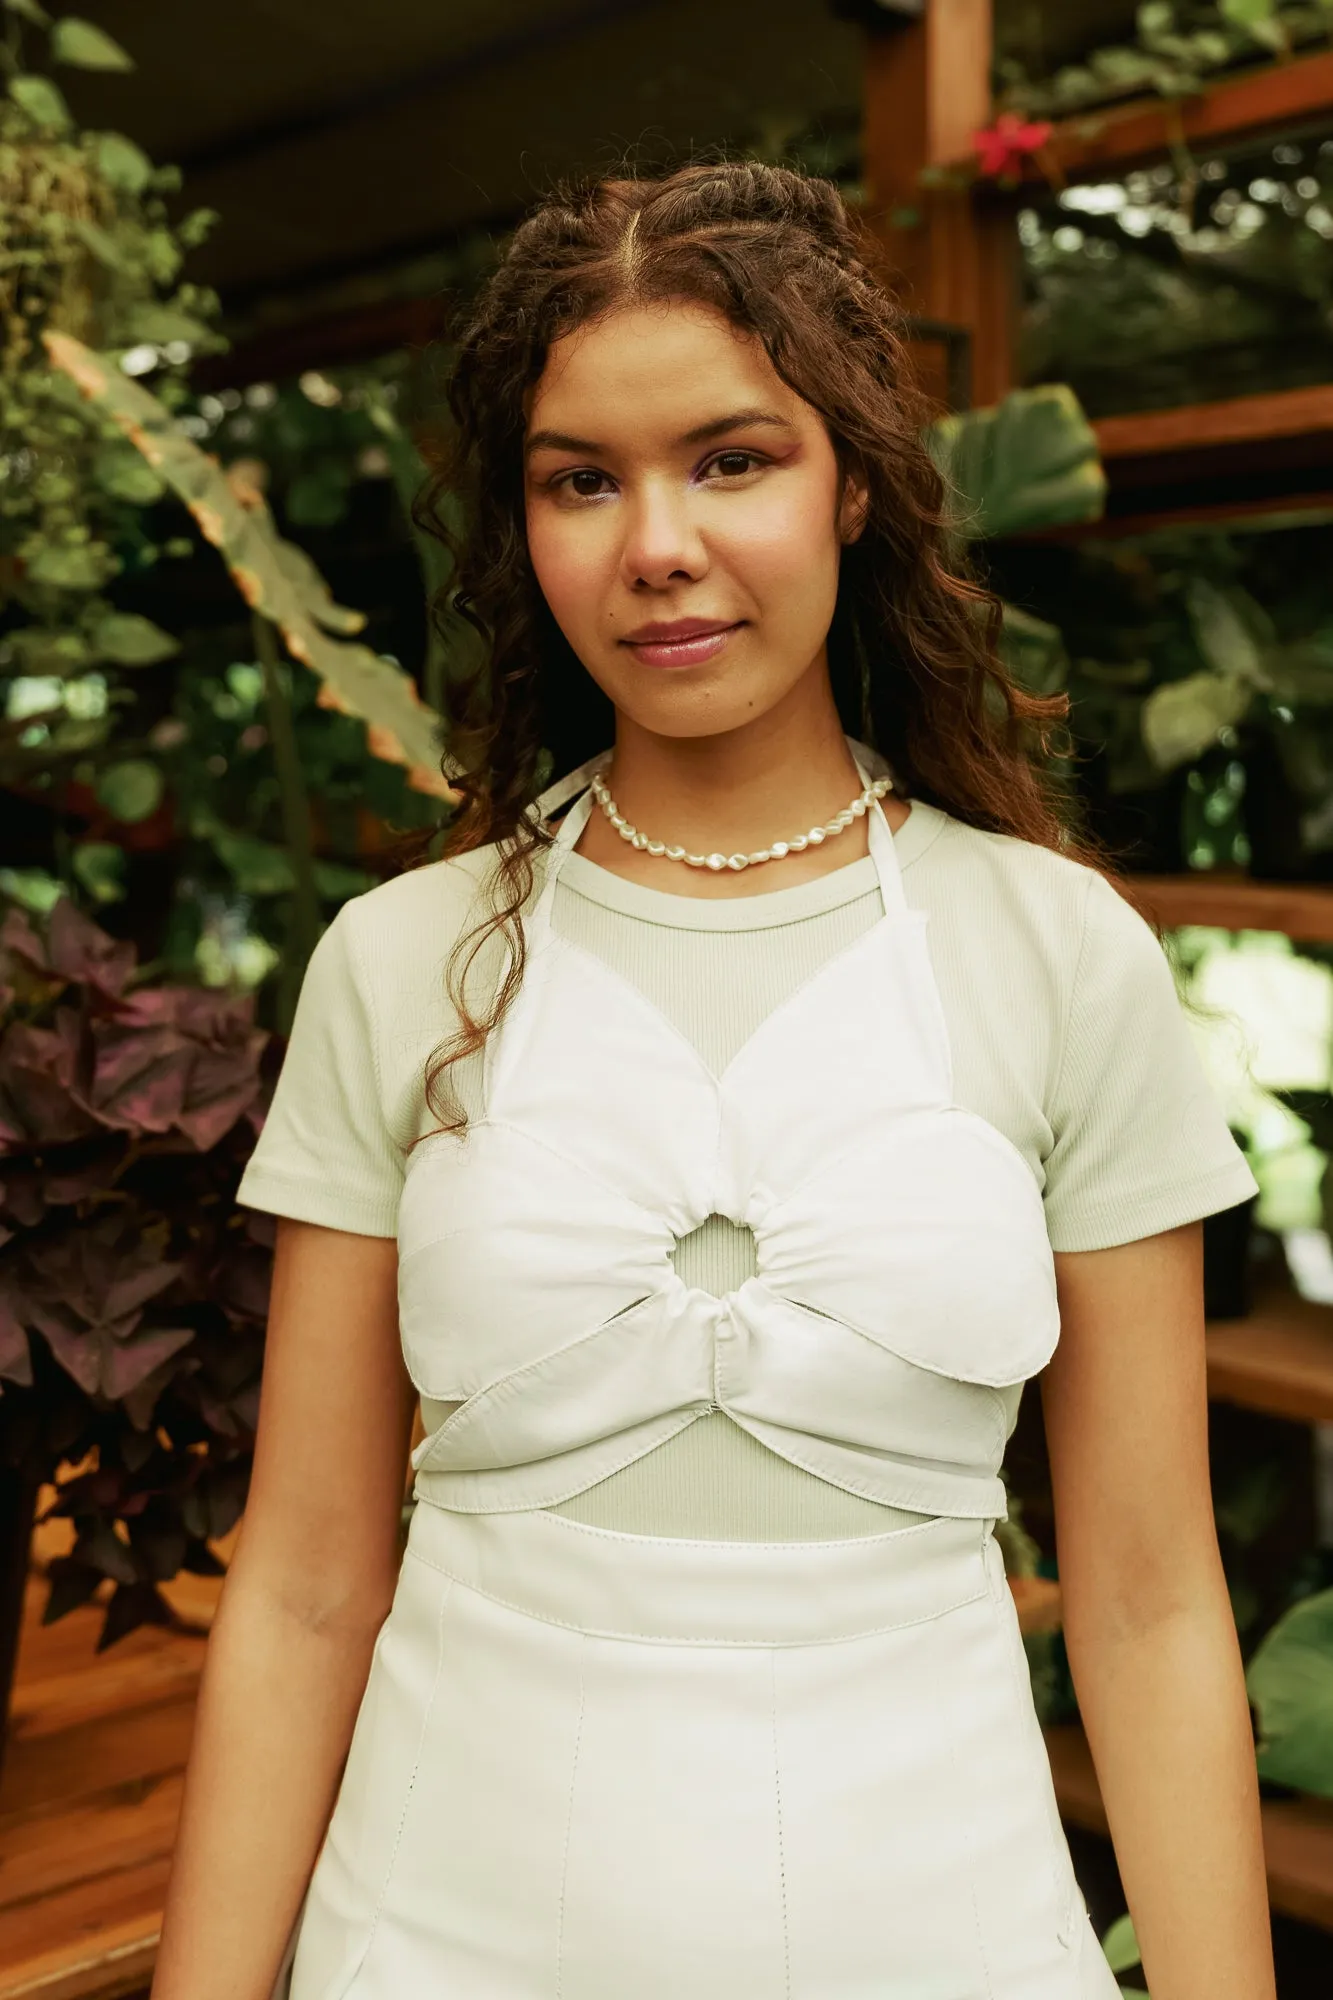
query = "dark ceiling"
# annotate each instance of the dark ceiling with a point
(335, 135)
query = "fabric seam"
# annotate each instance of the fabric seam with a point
(693, 1639)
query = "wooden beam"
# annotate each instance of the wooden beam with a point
(1279, 1359)
(956, 256)
(1235, 903)
(1271, 99)
(1284, 413)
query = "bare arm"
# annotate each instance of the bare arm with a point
(310, 1584)
(1148, 1622)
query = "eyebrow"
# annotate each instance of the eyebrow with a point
(735, 420)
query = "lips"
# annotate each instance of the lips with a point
(685, 642)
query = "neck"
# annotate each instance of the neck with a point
(788, 770)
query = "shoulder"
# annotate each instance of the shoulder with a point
(1003, 884)
(398, 937)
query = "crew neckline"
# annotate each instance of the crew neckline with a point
(764, 911)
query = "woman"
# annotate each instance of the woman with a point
(716, 1168)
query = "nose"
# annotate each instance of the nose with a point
(662, 544)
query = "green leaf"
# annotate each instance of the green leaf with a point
(1031, 461)
(32, 887)
(29, 10)
(337, 882)
(69, 566)
(38, 96)
(131, 640)
(83, 45)
(41, 651)
(1181, 720)
(120, 471)
(131, 791)
(1226, 643)
(1258, 18)
(400, 727)
(122, 164)
(1121, 1946)
(1156, 17)
(256, 866)
(161, 323)
(103, 246)
(1033, 652)
(1290, 1679)
(100, 868)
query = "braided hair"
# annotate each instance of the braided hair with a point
(913, 644)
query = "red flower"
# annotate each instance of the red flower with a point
(1003, 147)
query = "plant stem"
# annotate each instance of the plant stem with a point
(304, 933)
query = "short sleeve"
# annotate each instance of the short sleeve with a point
(326, 1154)
(1141, 1143)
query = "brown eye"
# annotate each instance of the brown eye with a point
(585, 484)
(734, 464)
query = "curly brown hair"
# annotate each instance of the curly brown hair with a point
(913, 646)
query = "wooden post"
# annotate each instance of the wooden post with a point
(927, 91)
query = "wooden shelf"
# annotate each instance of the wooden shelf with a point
(1278, 1359)
(1238, 420)
(1235, 903)
(1298, 1833)
(1115, 136)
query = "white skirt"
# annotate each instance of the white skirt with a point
(591, 1765)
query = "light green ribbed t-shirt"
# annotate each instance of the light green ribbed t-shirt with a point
(1065, 1030)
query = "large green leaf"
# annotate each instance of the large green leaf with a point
(131, 790)
(272, 577)
(30, 10)
(83, 45)
(131, 640)
(1031, 461)
(1182, 719)
(1290, 1679)
(1226, 641)
(38, 96)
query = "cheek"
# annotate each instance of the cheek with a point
(784, 546)
(570, 559)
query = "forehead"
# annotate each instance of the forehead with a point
(664, 366)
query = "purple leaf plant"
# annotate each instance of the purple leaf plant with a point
(133, 1291)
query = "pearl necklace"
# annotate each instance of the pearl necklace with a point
(858, 809)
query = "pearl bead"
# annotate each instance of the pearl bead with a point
(674, 853)
(764, 854)
(655, 847)
(640, 840)
(799, 845)
(738, 861)
(815, 835)
(778, 849)
(626, 831)
(859, 809)
(696, 860)
(717, 862)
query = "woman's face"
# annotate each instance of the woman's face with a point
(685, 517)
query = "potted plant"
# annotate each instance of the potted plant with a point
(133, 1292)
